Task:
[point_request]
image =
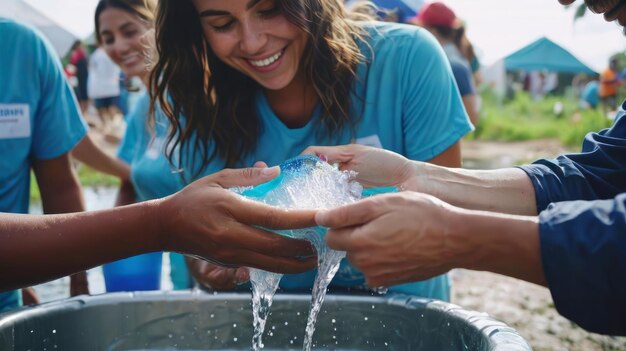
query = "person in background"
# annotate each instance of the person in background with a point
(466, 48)
(609, 82)
(560, 223)
(80, 63)
(40, 123)
(123, 30)
(589, 97)
(204, 219)
(242, 81)
(104, 87)
(443, 23)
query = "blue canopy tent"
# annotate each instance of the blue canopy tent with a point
(544, 54)
(404, 8)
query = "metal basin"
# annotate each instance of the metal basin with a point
(201, 321)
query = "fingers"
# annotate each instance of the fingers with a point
(256, 213)
(349, 215)
(242, 275)
(268, 243)
(228, 178)
(332, 154)
(220, 278)
(260, 164)
(340, 239)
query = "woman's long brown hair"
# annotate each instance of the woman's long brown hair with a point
(217, 101)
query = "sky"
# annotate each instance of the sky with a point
(496, 27)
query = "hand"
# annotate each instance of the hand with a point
(79, 285)
(216, 277)
(392, 238)
(206, 220)
(375, 167)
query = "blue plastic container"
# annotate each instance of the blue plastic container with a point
(142, 272)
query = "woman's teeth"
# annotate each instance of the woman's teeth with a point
(266, 62)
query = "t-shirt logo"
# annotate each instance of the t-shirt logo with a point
(14, 121)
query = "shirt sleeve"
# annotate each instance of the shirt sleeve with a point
(58, 124)
(598, 172)
(431, 99)
(463, 78)
(136, 127)
(583, 250)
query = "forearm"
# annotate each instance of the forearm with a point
(506, 190)
(90, 154)
(40, 248)
(499, 243)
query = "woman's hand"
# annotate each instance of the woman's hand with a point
(375, 167)
(209, 221)
(215, 277)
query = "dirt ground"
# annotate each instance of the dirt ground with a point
(524, 306)
(529, 309)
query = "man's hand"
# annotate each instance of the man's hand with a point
(392, 238)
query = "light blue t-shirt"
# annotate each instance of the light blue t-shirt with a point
(39, 117)
(151, 174)
(405, 100)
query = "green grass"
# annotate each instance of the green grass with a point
(87, 176)
(524, 119)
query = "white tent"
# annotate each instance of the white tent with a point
(494, 76)
(21, 11)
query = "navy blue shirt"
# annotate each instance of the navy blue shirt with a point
(463, 77)
(582, 225)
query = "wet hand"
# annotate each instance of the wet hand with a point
(375, 167)
(392, 238)
(215, 277)
(209, 221)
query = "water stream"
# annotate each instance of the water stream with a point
(305, 182)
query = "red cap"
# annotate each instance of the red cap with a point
(436, 14)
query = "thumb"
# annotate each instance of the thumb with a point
(244, 177)
(349, 215)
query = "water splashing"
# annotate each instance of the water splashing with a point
(305, 182)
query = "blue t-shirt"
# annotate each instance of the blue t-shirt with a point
(461, 70)
(405, 100)
(39, 117)
(582, 227)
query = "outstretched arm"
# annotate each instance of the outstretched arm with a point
(506, 190)
(87, 152)
(577, 248)
(405, 237)
(204, 220)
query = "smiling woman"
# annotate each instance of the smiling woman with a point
(120, 27)
(246, 80)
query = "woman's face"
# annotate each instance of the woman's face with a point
(253, 37)
(122, 35)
